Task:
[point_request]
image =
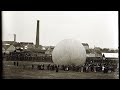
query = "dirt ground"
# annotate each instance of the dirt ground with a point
(13, 72)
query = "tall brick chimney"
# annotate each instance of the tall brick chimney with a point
(37, 35)
(14, 37)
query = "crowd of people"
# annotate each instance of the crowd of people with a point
(25, 56)
(105, 68)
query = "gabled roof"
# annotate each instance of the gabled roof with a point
(85, 44)
(5, 46)
(11, 48)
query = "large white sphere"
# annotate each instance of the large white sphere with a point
(69, 51)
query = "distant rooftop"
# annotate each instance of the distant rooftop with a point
(5, 46)
(110, 55)
(85, 44)
(7, 42)
(26, 42)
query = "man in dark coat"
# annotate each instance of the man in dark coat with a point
(43, 67)
(17, 63)
(14, 63)
(63, 67)
(57, 68)
(48, 66)
(38, 67)
(32, 66)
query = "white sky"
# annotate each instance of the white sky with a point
(97, 28)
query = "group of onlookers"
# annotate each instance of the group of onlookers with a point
(78, 68)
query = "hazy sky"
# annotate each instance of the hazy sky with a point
(97, 28)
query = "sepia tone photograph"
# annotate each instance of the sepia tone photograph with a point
(60, 45)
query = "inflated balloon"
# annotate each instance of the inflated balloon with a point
(69, 51)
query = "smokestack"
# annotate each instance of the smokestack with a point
(14, 37)
(37, 35)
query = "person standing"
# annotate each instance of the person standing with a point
(66, 69)
(14, 63)
(57, 68)
(17, 63)
(48, 66)
(81, 68)
(63, 67)
(94, 68)
(43, 67)
(23, 66)
(32, 66)
(103, 68)
(37, 67)
(86, 68)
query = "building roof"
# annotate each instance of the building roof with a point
(85, 44)
(52, 47)
(35, 50)
(17, 44)
(90, 55)
(7, 42)
(110, 55)
(25, 43)
(5, 46)
(46, 47)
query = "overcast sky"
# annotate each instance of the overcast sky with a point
(97, 28)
